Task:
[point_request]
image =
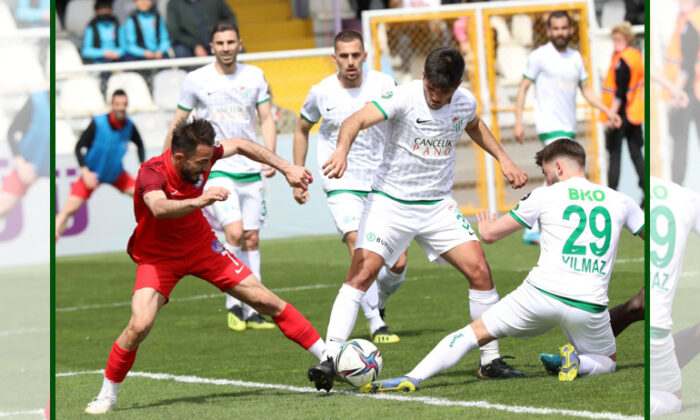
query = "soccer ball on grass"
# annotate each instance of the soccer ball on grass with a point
(358, 362)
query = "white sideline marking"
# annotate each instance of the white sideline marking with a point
(217, 295)
(425, 400)
(20, 332)
(22, 413)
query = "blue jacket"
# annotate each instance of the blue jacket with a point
(145, 35)
(29, 135)
(32, 14)
(104, 156)
(110, 36)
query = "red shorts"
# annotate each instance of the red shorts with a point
(209, 262)
(123, 183)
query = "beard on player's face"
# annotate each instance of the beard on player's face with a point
(561, 41)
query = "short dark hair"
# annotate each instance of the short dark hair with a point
(348, 36)
(103, 4)
(563, 147)
(444, 67)
(188, 135)
(558, 14)
(223, 26)
(119, 92)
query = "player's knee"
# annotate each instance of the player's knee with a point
(400, 265)
(360, 279)
(251, 240)
(138, 329)
(234, 236)
(636, 304)
(479, 276)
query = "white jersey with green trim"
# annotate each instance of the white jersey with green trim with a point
(331, 103)
(419, 158)
(229, 102)
(580, 226)
(675, 212)
(556, 76)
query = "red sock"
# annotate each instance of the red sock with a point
(296, 327)
(119, 363)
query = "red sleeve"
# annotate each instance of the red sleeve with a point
(218, 153)
(150, 179)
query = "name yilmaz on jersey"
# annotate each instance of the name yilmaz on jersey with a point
(432, 147)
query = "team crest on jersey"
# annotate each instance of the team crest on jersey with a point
(457, 124)
(244, 91)
(387, 95)
(217, 247)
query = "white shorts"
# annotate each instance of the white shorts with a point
(346, 209)
(245, 202)
(527, 312)
(388, 226)
(665, 374)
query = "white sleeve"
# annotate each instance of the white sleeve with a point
(310, 111)
(696, 203)
(263, 91)
(471, 111)
(392, 102)
(582, 73)
(528, 209)
(188, 95)
(533, 66)
(635, 216)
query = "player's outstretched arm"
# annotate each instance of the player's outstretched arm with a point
(366, 117)
(480, 133)
(163, 208)
(492, 229)
(301, 147)
(297, 176)
(594, 100)
(518, 129)
(269, 132)
(180, 115)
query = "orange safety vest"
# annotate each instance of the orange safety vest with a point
(635, 90)
(674, 55)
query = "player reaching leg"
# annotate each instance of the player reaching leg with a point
(581, 224)
(411, 197)
(333, 100)
(173, 239)
(229, 94)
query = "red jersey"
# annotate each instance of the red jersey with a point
(159, 239)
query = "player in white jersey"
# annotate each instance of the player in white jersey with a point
(675, 213)
(581, 224)
(411, 196)
(557, 71)
(228, 94)
(333, 100)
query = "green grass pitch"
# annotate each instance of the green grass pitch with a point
(190, 338)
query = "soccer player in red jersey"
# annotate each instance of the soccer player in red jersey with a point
(173, 239)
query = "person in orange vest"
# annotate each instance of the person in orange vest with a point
(682, 68)
(623, 92)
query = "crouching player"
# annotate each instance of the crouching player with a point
(580, 228)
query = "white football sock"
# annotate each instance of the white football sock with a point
(663, 402)
(479, 302)
(595, 364)
(317, 349)
(369, 307)
(230, 300)
(109, 388)
(343, 316)
(446, 354)
(252, 260)
(388, 283)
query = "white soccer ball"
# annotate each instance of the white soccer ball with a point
(358, 362)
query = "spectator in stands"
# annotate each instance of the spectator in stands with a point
(145, 33)
(31, 14)
(103, 41)
(634, 12)
(190, 23)
(100, 150)
(623, 93)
